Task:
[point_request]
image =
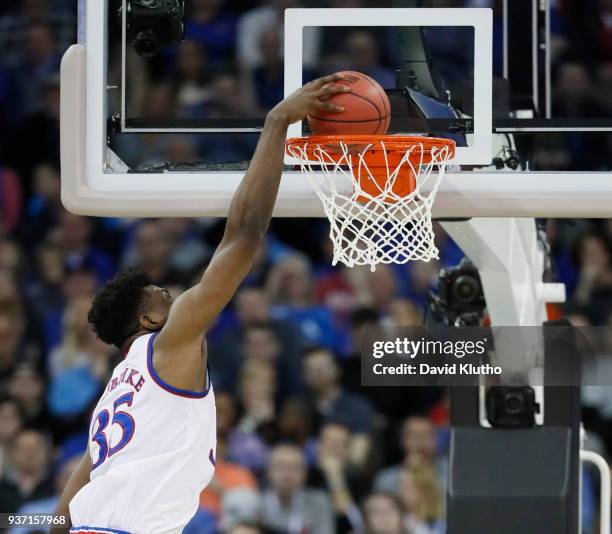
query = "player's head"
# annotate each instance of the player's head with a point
(128, 305)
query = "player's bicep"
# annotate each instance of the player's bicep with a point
(196, 309)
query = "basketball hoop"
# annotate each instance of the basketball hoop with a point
(387, 217)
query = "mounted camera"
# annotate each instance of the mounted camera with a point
(460, 300)
(152, 24)
(511, 407)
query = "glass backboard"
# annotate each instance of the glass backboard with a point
(169, 129)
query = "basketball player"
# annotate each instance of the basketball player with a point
(152, 436)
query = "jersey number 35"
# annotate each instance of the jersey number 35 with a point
(123, 419)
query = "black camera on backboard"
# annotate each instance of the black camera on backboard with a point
(152, 24)
(511, 406)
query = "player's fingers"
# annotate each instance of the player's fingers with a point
(320, 82)
(327, 106)
(331, 90)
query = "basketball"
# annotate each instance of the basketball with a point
(366, 109)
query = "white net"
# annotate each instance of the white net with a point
(374, 223)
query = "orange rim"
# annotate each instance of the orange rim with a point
(380, 153)
(373, 143)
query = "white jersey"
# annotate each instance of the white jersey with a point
(152, 449)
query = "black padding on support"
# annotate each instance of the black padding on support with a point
(512, 481)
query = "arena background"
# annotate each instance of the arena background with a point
(293, 418)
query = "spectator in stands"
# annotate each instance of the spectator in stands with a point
(10, 267)
(11, 423)
(28, 478)
(238, 506)
(253, 24)
(152, 253)
(394, 403)
(295, 425)
(79, 343)
(383, 513)
(44, 207)
(40, 62)
(331, 402)
(593, 291)
(268, 77)
(290, 286)
(418, 442)
(364, 56)
(382, 287)
(257, 393)
(228, 102)
(279, 338)
(288, 505)
(244, 448)
(50, 310)
(361, 322)
(47, 505)
(192, 81)
(26, 385)
(189, 251)
(253, 309)
(37, 140)
(72, 235)
(259, 343)
(214, 28)
(341, 290)
(79, 368)
(422, 498)
(14, 27)
(574, 95)
(344, 480)
(159, 104)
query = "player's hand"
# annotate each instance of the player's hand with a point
(309, 99)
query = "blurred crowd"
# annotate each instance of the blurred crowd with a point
(302, 446)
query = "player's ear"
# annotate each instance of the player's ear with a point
(146, 322)
(151, 321)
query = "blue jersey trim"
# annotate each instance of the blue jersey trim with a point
(171, 389)
(84, 529)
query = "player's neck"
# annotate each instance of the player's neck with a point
(125, 347)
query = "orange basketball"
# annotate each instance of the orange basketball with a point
(366, 109)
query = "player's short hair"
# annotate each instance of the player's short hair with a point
(114, 312)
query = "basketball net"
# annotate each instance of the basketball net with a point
(387, 217)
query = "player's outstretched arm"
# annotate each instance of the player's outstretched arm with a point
(248, 219)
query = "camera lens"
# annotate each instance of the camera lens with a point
(465, 288)
(515, 403)
(146, 43)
